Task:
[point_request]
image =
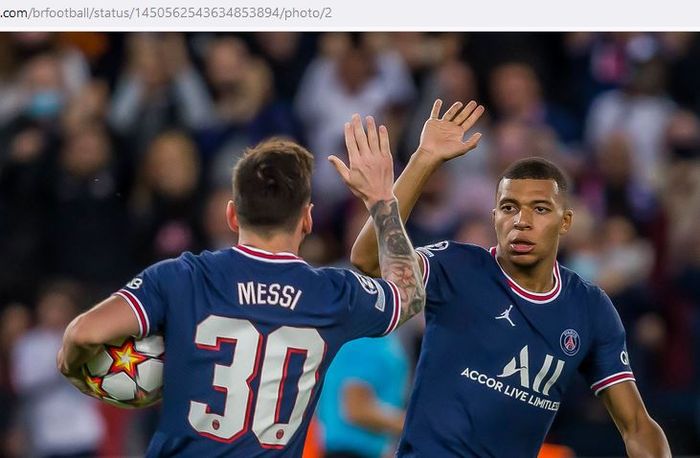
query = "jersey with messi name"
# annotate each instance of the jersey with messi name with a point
(497, 358)
(248, 337)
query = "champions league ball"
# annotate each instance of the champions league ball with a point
(128, 372)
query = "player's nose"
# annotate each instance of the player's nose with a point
(522, 220)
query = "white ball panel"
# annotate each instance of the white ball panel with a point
(151, 345)
(149, 374)
(99, 364)
(119, 386)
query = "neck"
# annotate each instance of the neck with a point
(537, 278)
(276, 243)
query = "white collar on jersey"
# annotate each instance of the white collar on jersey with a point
(266, 256)
(532, 296)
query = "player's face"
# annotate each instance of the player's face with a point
(529, 217)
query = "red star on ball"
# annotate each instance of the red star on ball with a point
(95, 384)
(125, 358)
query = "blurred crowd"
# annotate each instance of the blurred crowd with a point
(116, 151)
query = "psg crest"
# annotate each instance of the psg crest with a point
(570, 342)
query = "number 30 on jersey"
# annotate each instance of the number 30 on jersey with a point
(235, 380)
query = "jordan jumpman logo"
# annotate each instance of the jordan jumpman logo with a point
(506, 316)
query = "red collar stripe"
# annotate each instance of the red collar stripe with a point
(538, 298)
(262, 255)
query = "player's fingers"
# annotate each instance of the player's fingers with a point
(472, 142)
(435, 112)
(360, 136)
(465, 112)
(351, 144)
(473, 118)
(372, 136)
(340, 166)
(452, 111)
(384, 141)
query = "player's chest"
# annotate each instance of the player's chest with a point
(549, 338)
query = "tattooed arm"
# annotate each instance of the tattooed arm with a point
(370, 177)
(397, 262)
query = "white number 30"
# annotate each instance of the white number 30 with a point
(235, 379)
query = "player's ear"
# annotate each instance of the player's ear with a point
(232, 217)
(493, 216)
(307, 223)
(566, 221)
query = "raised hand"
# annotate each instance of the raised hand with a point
(371, 177)
(442, 138)
(370, 174)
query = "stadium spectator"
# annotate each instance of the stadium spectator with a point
(245, 108)
(347, 77)
(56, 419)
(166, 199)
(88, 210)
(159, 89)
(641, 110)
(518, 96)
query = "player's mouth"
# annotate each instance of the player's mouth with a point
(521, 246)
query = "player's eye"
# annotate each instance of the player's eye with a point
(542, 210)
(507, 208)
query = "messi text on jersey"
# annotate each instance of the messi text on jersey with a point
(253, 293)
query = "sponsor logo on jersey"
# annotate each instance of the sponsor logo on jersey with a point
(506, 315)
(371, 286)
(570, 342)
(519, 364)
(434, 247)
(367, 283)
(624, 357)
(379, 304)
(135, 283)
(534, 392)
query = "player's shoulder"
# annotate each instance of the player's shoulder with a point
(172, 265)
(339, 275)
(584, 290)
(337, 281)
(457, 251)
(188, 262)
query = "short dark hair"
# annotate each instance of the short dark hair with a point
(537, 168)
(271, 184)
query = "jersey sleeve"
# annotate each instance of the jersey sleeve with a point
(147, 295)
(432, 258)
(372, 305)
(607, 363)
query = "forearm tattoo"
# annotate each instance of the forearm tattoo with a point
(396, 257)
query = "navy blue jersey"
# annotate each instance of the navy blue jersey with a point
(497, 358)
(249, 336)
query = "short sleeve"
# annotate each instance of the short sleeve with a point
(373, 305)
(607, 363)
(147, 297)
(432, 258)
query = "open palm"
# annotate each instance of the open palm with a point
(370, 173)
(443, 137)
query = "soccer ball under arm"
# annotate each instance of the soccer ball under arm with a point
(127, 372)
